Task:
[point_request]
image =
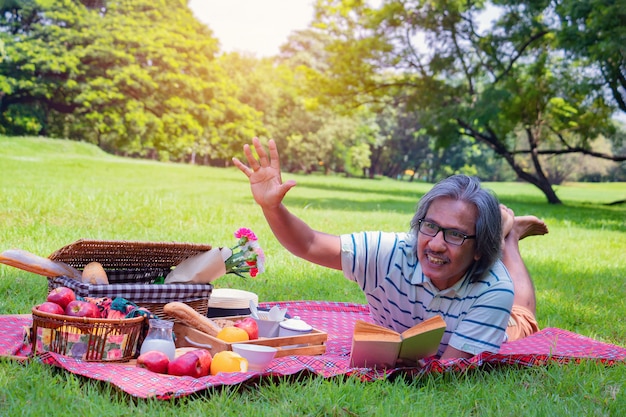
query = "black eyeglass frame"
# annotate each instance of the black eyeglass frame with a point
(444, 230)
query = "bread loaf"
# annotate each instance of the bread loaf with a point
(191, 317)
(33, 263)
(94, 273)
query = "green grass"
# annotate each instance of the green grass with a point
(54, 192)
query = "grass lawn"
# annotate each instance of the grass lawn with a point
(53, 192)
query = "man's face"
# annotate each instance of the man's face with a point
(443, 262)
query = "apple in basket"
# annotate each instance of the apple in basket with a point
(154, 360)
(196, 363)
(61, 296)
(250, 326)
(78, 308)
(50, 307)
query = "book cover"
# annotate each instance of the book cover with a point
(380, 347)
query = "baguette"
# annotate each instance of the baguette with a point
(30, 262)
(191, 317)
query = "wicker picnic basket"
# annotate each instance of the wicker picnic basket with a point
(132, 268)
(88, 339)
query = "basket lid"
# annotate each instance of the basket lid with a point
(122, 254)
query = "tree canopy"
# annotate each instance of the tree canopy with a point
(421, 89)
(132, 76)
(507, 83)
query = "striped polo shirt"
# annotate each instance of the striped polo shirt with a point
(399, 295)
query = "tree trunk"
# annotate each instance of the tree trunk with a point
(542, 183)
(538, 179)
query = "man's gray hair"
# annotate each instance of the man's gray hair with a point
(489, 221)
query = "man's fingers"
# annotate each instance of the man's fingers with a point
(243, 168)
(254, 164)
(260, 150)
(263, 160)
(274, 158)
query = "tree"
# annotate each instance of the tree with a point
(507, 86)
(594, 31)
(34, 74)
(132, 76)
(312, 137)
(401, 142)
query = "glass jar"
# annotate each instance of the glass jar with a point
(160, 337)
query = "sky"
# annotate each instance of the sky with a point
(256, 26)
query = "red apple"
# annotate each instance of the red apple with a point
(250, 326)
(154, 360)
(62, 296)
(196, 363)
(50, 307)
(79, 308)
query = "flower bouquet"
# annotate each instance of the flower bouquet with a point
(245, 257)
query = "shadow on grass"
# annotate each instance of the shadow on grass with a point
(585, 301)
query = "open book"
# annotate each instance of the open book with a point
(380, 347)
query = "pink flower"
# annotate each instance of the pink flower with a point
(247, 255)
(72, 337)
(245, 233)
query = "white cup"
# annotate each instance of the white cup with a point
(294, 327)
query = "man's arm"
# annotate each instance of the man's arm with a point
(269, 191)
(451, 353)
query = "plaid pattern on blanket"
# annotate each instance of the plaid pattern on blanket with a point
(337, 319)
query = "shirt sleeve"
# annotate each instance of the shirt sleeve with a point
(366, 257)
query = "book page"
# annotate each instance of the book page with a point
(434, 322)
(422, 344)
(364, 329)
(374, 353)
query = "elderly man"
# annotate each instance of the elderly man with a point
(460, 259)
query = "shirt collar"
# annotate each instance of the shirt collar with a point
(421, 280)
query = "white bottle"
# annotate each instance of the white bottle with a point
(160, 337)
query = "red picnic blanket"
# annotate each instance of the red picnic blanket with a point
(336, 319)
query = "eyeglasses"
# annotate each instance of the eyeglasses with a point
(453, 237)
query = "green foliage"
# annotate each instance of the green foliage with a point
(136, 77)
(503, 83)
(428, 87)
(594, 31)
(358, 160)
(312, 137)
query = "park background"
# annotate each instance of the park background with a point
(504, 90)
(146, 112)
